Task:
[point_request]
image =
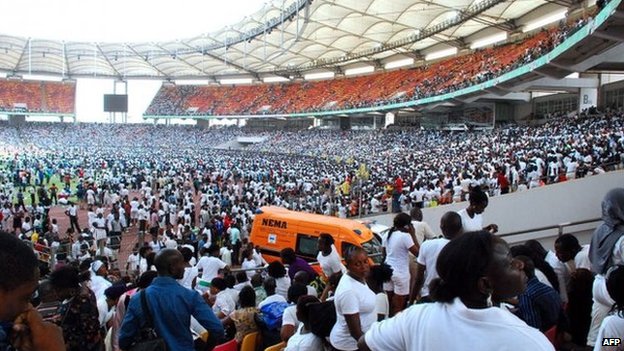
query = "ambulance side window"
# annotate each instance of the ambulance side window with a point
(307, 245)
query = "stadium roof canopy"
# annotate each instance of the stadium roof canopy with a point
(285, 38)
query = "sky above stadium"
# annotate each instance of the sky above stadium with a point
(121, 20)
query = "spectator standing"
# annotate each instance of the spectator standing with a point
(354, 301)
(398, 244)
(426, 272)
(606, 251)
(78, 315)
(171, 307)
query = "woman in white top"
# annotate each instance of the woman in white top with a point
(277, 270)
(606, 251)
(248, 262)
(328, 257)
(398, 244)
(612, 326)
(190, 272)
(303, 339)
(354, 301)
(474, 269)
(471, 216)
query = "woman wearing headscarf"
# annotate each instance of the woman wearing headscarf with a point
(606, 250)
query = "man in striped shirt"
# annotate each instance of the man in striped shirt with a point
(539, 305)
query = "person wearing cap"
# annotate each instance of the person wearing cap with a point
(98, 281)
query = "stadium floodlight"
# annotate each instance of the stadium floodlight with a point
(441, 53)
(542, 21)
(359, 70)
(492, 39)
(319, 75)
(275, 79)
(229, 81)
(399, 63)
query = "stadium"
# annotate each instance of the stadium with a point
(486, 133)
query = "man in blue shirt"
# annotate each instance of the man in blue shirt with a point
(171, 306)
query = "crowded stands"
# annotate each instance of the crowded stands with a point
(25, 96)
(197, 297)
(372, 90)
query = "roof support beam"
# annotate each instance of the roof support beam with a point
(438, 28)
(21, 57)
(119, 75)
(237, 66)
(146, 59)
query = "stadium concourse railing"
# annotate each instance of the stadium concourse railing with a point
(560, 228)
(566, 45)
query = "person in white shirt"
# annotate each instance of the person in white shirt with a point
(606, 251)
(612, 326)
(422, 230)
(210, 265)
(304, 339)
(98, 282)
(132, 264)
(471, 216)
(223, 304)
(257, 256)
(354, 301)
(328, 257)
(77, 246)
(99, 231)
(475, 269)
(269, 286)
(375, 204)
(277, 270)
(248, 262)
(190, 272)
(290, 322)
(398, 244)
(226, 254)
(426, 271)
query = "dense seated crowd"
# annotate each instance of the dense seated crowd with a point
(319, 171)
(188, 209)
(37, 96)
(373, 90)
(187, 287)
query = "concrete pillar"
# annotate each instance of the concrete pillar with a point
(588, 97)
(317, 122)
(389, 119)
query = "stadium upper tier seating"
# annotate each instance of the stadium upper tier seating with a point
(372, 90)
(37, 96)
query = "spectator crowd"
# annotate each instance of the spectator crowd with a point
(195, 293)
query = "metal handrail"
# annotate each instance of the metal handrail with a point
(559, 227)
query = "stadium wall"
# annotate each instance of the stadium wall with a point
(571, 201)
